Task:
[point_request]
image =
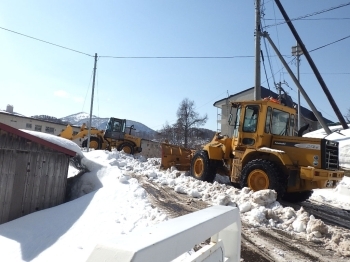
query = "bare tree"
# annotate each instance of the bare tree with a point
(188, 121)
(169, 133)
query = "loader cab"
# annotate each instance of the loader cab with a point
(255, 122)
(115, 128)
(245, 120)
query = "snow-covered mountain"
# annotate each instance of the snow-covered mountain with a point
(101, 122)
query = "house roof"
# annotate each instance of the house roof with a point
(36, 139)
(267, 92)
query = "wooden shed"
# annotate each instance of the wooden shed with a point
(33, 173)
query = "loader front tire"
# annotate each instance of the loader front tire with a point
(260, 174)
(95, 143)
(202, 168)
(128, 148)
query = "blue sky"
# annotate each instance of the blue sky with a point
(38, 78)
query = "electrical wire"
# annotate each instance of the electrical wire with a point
(312, 14)
(329, 43)
(92, 73)
(310, 19)
(176, 57)
(70, 49)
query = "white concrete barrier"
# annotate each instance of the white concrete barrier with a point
(168, 240)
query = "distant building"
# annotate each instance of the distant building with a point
(223, 108)
(42, 123)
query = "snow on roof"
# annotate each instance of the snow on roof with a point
(65, 143)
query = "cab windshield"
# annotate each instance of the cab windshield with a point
(115, 125)
(277, 122)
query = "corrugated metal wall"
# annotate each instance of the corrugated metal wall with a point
(32, 176)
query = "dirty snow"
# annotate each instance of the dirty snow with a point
(109, 202)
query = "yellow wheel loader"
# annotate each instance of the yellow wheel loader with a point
(114, 136)
(263, 152)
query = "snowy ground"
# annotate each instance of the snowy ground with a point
(109, 202)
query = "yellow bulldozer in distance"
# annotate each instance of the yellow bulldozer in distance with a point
(114, 136)
(264, 152)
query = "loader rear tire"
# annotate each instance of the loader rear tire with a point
(260, 174)
(95, 143)
(128, 148)
(202, 168)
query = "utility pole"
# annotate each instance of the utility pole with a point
(297, 52)
(257, 87)
(308, 100)
(92, 102)
(279, 84)
(313, 66)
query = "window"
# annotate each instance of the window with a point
(291, 125)
(29, 125)
(37, 128)
(235, 123)
(280, 122)
(250, 118)
(268, 120)
(49, 130)
(116, 126)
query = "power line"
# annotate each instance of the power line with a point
(176, 57)
(45, 41)
(312, 14)
(310, 19)
(327, 73)
(330, 43)
(131, 57)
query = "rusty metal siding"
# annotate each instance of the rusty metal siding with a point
(32, 176)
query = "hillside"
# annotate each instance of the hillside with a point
(100, 123)
(141, 130)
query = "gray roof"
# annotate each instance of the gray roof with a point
(267, 92)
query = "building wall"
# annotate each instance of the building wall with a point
(32, 176)
(20, 122)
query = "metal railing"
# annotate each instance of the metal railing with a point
(168, 240)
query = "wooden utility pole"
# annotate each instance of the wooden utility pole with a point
(92, 103)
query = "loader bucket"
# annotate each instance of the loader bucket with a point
(176, 156)
(67, 133)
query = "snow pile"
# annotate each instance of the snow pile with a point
(339, 135)
(108, 202)
(258, 209)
